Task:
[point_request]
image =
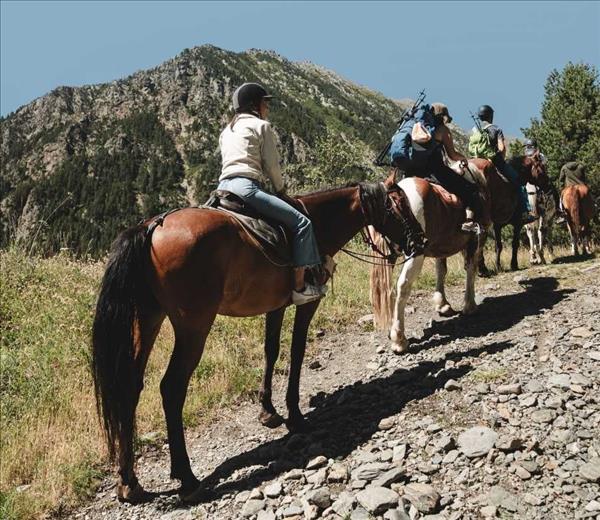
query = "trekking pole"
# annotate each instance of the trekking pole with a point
(406, 116)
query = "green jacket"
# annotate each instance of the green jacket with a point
(572, 173)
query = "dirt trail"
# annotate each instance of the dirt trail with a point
(391, 434)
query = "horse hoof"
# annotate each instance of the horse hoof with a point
(470, 310)
(400, 347)
(271, 420)
(135, 494)
(446, 311)
(193, 495)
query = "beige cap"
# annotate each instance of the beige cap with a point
(439, 109)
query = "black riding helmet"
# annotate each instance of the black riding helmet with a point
(248, 96)
(485, 113)
(530, 143)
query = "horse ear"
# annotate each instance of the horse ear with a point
(391, 179)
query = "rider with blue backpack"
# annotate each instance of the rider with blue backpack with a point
(419, 148)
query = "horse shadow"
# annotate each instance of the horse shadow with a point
(572, 259)
(339, 423)
(345, 419)
(495, 314)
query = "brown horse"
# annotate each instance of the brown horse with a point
(579, 207)
(190, 266)
(504, 201)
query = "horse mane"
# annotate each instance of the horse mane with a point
(352, 184)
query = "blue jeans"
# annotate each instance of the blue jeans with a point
(305, 252)
(512, 175)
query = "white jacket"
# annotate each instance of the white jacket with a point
(250, 150)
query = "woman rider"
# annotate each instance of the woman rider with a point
(249, 155)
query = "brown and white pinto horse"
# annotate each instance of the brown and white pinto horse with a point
(197, 263)
(504, 202)
(579, 208)
(440, 215)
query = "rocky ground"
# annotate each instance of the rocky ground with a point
(492, 416)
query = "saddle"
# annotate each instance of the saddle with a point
(273, 238)
(449, 199)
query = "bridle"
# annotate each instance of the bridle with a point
(378, 206)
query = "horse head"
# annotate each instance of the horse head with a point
(533, 170)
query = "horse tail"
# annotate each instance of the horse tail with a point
(113, 363)
(381, 286)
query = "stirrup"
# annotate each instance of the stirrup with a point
(471, 226)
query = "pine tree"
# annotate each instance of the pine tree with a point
(569, 127)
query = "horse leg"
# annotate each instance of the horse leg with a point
(268, 415)
(304, 315)
(189, 345)
(532, 243)
(410, 272)
(514, 261)
(482, 268)
(146, 328)
(439, 296)
(570, 226)
(470, 258)
(542, 232)
(548, 241)
(498, 239)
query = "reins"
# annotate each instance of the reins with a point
(374, 202)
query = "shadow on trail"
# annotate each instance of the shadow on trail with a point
(572, 259)
(340, 422)
(495, 314)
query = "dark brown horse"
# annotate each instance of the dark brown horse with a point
(196, 264)
(504, 201)
(579, 209)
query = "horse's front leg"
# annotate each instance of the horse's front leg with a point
(514, 261)
(542, 232)
(442, 306)
(533, 247)
(268, 416)
(304, 315)
(481, 267)
(471, 257)
(498, 240)
(409, 274)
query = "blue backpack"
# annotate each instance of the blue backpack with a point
(402, 145)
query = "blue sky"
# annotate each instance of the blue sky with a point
(463, 53)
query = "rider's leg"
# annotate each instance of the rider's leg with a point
(463, 189)
(512, 175)
(305, 252)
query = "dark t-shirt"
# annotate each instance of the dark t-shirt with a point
(495, 134)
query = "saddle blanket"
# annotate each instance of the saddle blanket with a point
(272, 237)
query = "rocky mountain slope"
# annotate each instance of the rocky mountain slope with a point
(79, 164)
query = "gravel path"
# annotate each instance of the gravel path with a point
(492, 416)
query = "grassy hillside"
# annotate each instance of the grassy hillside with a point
(51, 446)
